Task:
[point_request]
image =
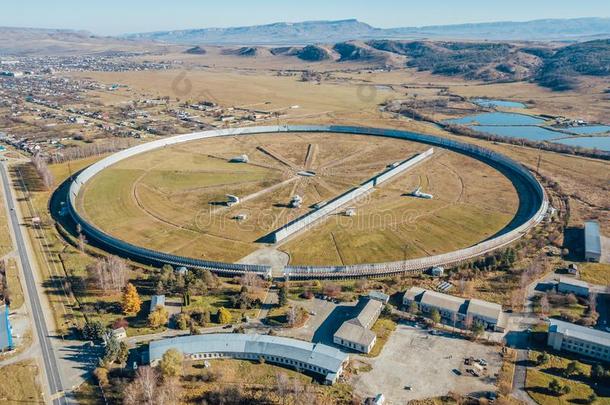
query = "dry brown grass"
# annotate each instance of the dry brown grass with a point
(167, 199)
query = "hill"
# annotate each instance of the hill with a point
(351, 29)
(39, 41)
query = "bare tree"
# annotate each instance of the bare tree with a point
(282, 389)
(544, 305)
(250, 280)
(109, 273)
(291, 316)
(43, 171)
(147, 379)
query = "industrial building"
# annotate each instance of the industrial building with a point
(356, 333)
(379, 296)
(455, 310)
(6, 338)
(579, 339)
(593, 242)
(569, 285)
(304, 356)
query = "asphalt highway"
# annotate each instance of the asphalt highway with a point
(46, 347)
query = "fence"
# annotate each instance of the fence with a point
(359, 270)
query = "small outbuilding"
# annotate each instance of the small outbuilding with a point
(593, 243)
(569, 285)
(119, 333)
(157, 301)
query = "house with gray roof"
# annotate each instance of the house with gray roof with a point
(356, 333)
(593, 242)
(303, 356)
(579, 339)
(456, 311)
(157, 301)
(570, 285)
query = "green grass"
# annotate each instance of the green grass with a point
(383, 328)
(539, 377)
(595, 273)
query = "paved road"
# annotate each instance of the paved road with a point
(42, 332)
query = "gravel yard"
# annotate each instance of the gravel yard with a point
(431, 365)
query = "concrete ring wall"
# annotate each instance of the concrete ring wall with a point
(303, 272)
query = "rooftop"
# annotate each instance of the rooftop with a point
(580, 332)
(573, 281)
(484, 308)
(413, 293)
(157, 300)
(325, 357)
(355, 333)
(593, 242)
(369, 313)
(443, 301)
(6, 340)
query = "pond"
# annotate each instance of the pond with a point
(533, 133)
(588, 129)
(485, 102)
(497, 118)
(597, 142)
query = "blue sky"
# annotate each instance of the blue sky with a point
(110, 17)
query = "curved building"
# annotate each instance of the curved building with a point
(316, 358)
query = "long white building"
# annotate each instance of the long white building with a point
(456, 310)
(304, 356)
(579, 339)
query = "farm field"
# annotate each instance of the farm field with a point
(174, 199)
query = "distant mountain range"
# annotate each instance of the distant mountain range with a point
(343, 30)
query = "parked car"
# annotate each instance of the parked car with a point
(456, 371)
(482, 362)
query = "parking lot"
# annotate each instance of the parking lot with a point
(431, 365)
(325, 318)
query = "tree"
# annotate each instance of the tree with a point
(544, 305)
(413, 308)
(435, 316)
(283, 295)
(477, 329)
(101, 375)
(542, 358)
(332, 290)
(143, 388)
(224, 316)
(571, 368)
(171, 363)
(131, 300)
(158, 317)
(94, 330)
(109, 273)
(555, 387)
(123, 354)
(598, 373)
(291, 316)
(169, 392)
(111, 350)
(182, 321)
